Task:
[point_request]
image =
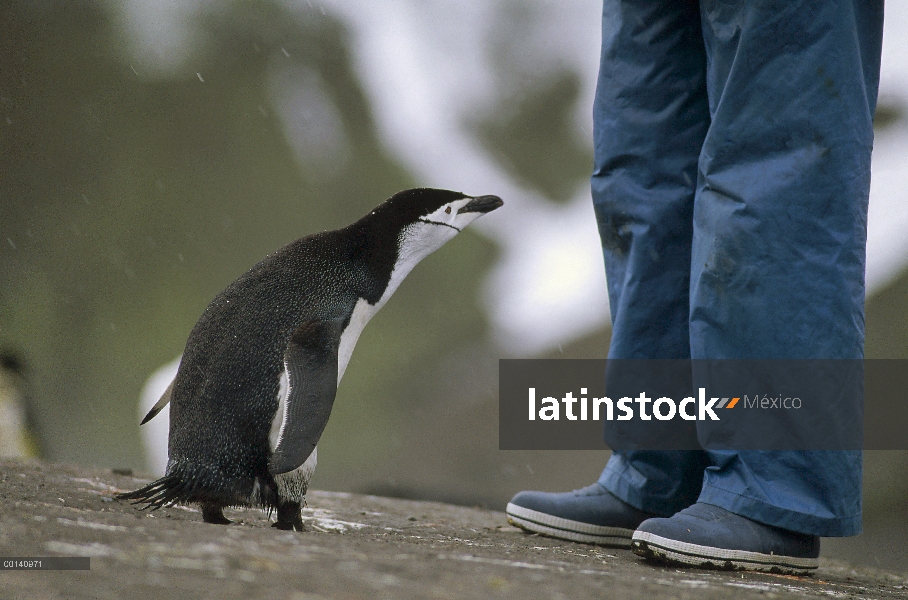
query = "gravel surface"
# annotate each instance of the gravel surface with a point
(356, 546)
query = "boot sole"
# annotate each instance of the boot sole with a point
(660, 549)
(566, 529)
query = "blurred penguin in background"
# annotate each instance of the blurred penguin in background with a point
(18, 427)
(156, 431)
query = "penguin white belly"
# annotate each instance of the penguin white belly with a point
(362, 313)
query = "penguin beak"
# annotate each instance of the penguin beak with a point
(482, 204)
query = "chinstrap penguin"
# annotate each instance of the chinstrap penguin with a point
(260, 370)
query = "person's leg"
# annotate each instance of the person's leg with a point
(778, 252)
(780, 221)
(780, 226)
(650, 117)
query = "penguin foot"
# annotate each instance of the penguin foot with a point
(214, 513)
(289, 517)
(290, 525)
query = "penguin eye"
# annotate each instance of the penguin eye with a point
(448, 211)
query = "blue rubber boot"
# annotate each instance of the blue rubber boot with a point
(710, 537)
(591, 515)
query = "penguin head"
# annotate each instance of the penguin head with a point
(443, 208)
(427, 218)
(409, 226)
(434, 218)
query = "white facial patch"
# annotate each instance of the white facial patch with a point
(449, 216)
(429, 233)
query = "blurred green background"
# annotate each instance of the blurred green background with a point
(129, 197)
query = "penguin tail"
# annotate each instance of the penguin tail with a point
(180, 486)
(167, 490)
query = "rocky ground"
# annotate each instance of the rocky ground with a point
(356, 546)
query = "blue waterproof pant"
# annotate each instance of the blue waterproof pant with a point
(732, 173)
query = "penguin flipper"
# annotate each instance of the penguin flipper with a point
(311, 363)
(160, 404)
